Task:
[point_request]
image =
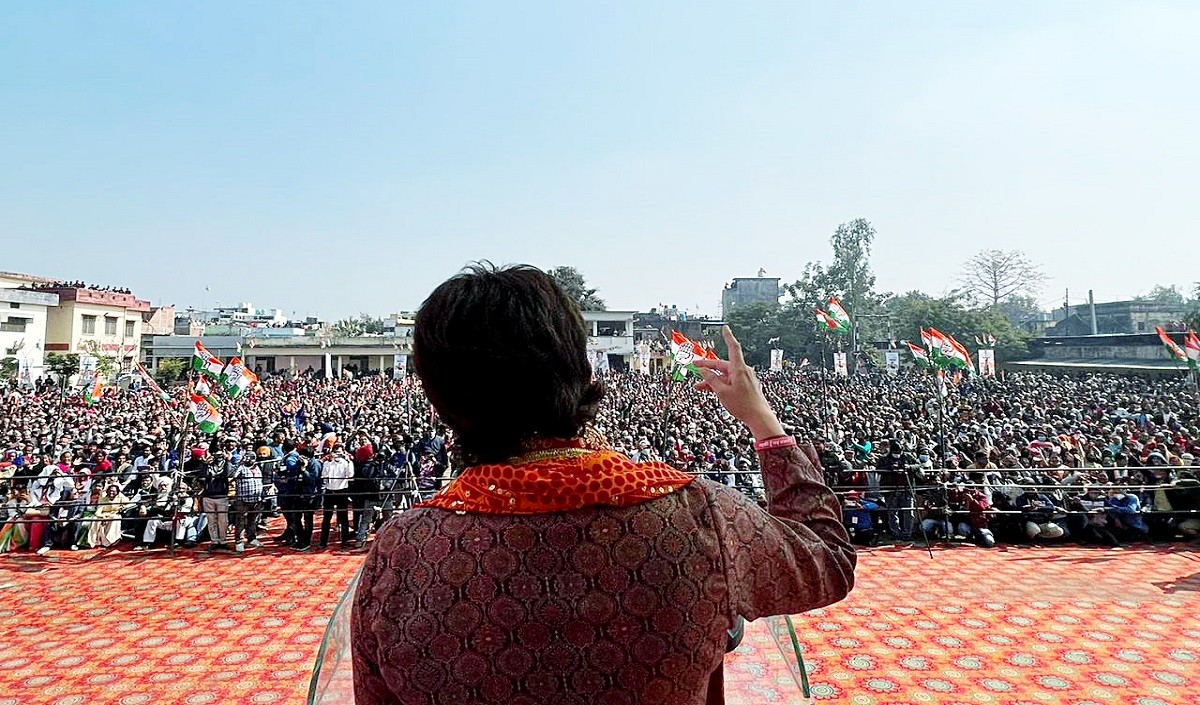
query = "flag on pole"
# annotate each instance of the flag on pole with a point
(93, 392)
(1172, 347)
(236, 379)
(948, 352)
(205, 362)
(204, 413)
(826, 320)
(839, 315)
(927, 339)
(919, 355)
(684, 352)
(202, 389)
(943, 391)
(1192, 346)
(151, 383)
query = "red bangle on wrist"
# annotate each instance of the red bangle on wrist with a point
(776, 442)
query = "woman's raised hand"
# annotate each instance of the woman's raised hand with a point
(738, 389)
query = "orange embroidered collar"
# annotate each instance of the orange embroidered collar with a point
(558, 476)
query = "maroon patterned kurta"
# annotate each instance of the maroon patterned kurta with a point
(611, 606)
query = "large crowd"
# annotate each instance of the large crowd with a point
(1098, 459)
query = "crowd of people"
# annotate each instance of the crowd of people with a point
(1099, 459)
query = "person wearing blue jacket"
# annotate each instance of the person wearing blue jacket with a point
(856, 515)
(1126, 509)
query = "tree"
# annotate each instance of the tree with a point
(994, 276)
(574, 286)
(950, 314)
(848, 277)
(170, 369)
(9, 367)
(1162, 294)
(63, 366)
(760, 326)
(362, 324)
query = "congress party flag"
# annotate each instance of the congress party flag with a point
(205, 362)
(151, 383)
(919, 355)
(1192, 346)
(1172, 347)
(236, 379)
(839, 315)
(204, 414)
(684, 352)
(93, 392)
(826, 320)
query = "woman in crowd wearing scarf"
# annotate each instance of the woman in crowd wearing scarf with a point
(555, 570)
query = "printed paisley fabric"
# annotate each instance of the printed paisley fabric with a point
(560, 477)
(610, 605)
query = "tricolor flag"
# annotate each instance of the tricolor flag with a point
(236, 379)
(1192, 347)
(94, 391)
(201, 389)
(826, 320)
(686, 351)
(1172, 347)
(151, 383)
(205, 362)
(948, 352)
(839, 315)
(204, 414)
(927, 339)
(919, 355)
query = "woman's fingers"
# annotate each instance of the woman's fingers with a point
(735, 348)
(720, 366)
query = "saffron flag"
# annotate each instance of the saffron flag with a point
(839, 315)
(204, 414)
(919, 355)
(205, 362)
(1192, 345)
(684, 352)
(236, 379)
(93, 392)
(1172, 347)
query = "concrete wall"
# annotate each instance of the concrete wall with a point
(64, 331)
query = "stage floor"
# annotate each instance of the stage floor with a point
(1062, 625)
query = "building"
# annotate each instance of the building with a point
(610, 338)
(1115, 318)
(1135, 353)
(743, 291)
(23, 318)
(159, 320)
(96, 321)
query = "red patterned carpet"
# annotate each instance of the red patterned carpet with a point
(1065, 625)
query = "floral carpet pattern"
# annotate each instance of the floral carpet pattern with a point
(1061, 625)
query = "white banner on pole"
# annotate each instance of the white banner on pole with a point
(399, 366)
(891, 359)
(328, 366)
(776, 360)
(839, 365)
(987, 362)
(88, 366)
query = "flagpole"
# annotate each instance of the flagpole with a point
(826, 430)
(177, 476)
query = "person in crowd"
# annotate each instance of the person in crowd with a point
(104, 530)
(336, 473)
(1040, 511)
(214, 499)
(856, 515)
(247, 502)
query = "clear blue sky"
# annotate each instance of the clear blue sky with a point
(331, 158)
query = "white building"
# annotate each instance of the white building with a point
(23, 316)
(610, 338)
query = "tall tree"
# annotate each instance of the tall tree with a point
(993, 276)
(851, 268)
(574, 285)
